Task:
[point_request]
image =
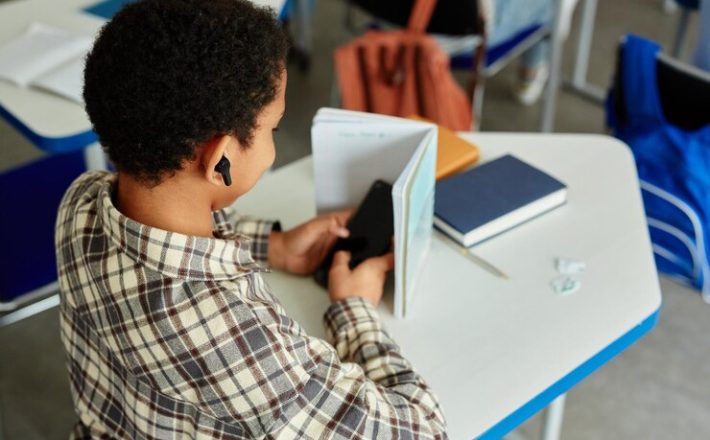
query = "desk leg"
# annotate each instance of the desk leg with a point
(94, 157)
(579, 75)
(552, 424)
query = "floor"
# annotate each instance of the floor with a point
(658, 389)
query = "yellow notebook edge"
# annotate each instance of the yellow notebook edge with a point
(454, 154)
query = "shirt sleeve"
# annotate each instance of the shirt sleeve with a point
(401, 404)
(253, 367)
(258, 231)
(228, 222)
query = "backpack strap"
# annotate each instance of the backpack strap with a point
(640, 84)
(421, 15)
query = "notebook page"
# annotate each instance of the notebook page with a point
(40, 49)
(413, 197)
(349, 156)
(66, 81)
(339, 115)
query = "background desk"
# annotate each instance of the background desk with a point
(497, 351)
(53, 123)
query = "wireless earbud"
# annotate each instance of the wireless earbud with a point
(222, 168)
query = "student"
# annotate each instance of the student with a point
(169, 328)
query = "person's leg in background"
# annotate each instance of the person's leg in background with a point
(508, 18)
(532, 74)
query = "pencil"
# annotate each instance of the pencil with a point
(474, 258)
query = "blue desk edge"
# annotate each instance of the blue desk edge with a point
(65, 144)
(563, 385)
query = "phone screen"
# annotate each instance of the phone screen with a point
(371, 230)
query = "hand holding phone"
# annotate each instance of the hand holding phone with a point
(366, 281)
(371, 230)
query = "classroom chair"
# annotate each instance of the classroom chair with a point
(29, 196)
(461, 19)
(657, 106)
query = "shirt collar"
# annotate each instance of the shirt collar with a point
(175, 255)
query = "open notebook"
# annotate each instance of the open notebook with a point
(46, 57)
(353, 149)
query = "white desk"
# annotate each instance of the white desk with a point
(498, 351)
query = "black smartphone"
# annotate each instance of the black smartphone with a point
(371, 230)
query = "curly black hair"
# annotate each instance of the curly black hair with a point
(166, 76)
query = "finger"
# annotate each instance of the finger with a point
(329, 223)
(388, 260)
(337, 227)
(323, 247)
(329, 242)
(344, 215)
(384, 262)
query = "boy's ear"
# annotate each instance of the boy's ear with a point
(212, 152)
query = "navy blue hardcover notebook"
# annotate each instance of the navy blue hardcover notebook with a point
(495, 196)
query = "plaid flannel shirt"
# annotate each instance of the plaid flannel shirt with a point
(173, 336)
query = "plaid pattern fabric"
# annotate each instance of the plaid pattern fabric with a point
(172, 336)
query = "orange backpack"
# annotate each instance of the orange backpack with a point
(401, 73)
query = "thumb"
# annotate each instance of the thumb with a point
(341, 258)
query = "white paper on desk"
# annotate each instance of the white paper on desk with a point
(39, 50)
(353, 149)
(276, 5)
(66, 81)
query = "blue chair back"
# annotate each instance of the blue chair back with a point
(30, 196)
(498, 52)
(656, 106)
